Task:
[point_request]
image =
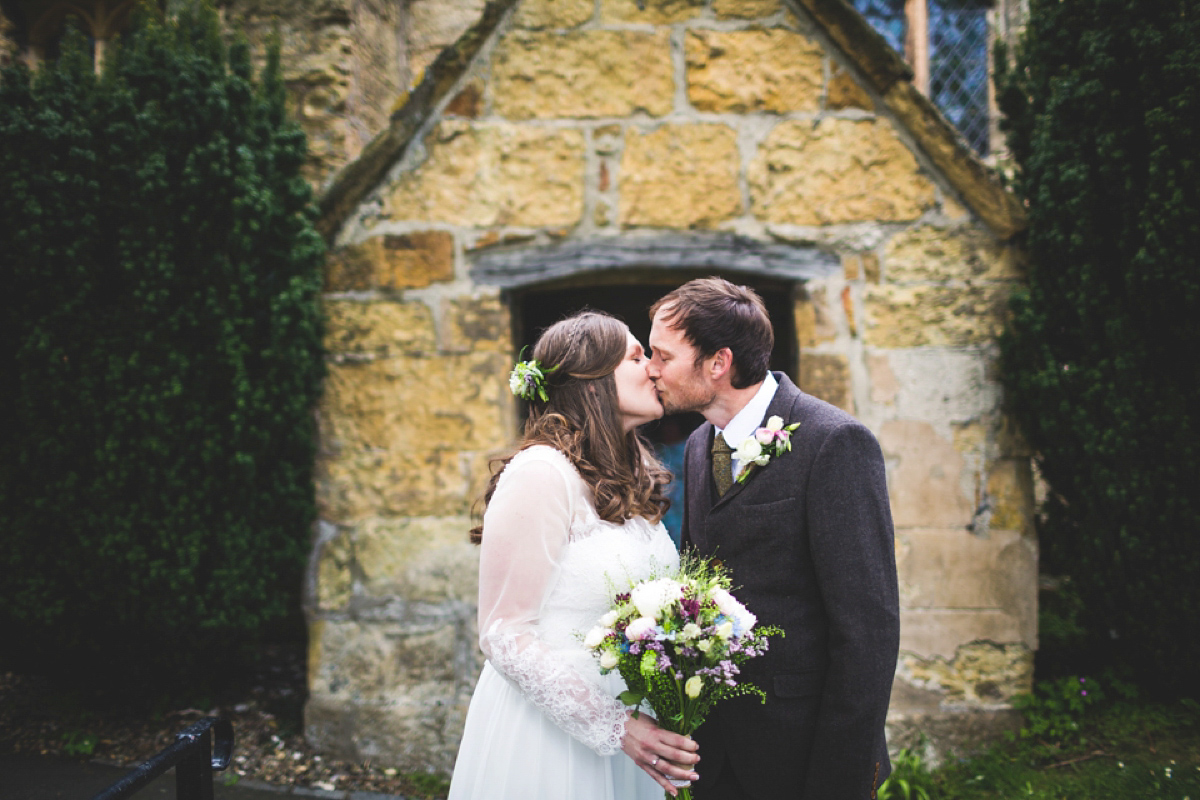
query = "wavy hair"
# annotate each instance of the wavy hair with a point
(581, 418)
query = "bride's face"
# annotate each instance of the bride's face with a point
(636, 399)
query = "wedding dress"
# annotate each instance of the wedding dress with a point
(544, 724)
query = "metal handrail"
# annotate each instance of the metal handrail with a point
(198, 750)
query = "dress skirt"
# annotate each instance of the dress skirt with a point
(511, 751)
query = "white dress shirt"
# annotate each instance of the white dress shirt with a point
(749, 419)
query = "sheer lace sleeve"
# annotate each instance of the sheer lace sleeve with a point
(525, 529)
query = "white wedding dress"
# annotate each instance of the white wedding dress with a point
(544, 724)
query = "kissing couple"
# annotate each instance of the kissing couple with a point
(806, 536)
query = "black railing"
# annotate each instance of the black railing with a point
(198, 750)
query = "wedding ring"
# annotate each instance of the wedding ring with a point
(654, 763)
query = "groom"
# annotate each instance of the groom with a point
(808, 539)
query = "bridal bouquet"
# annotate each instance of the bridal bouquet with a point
(678, 641)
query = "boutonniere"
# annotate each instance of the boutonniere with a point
(774, 439)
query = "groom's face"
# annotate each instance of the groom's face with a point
(678, 378)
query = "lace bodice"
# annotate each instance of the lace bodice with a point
(548, 568)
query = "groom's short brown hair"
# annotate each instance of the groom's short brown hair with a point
(713, 313)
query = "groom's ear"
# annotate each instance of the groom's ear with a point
(720, 364)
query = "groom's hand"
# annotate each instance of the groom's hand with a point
(660, 753)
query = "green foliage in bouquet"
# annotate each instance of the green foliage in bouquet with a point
(1102, 112)
(160, 349)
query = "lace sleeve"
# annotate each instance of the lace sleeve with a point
(525, 528)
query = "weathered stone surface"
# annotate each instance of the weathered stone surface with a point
(379, 329)
(935, 316)
(851, 266)
(943, 386)
(476, 324)
(389, 693)
(421, 559)
(380, 75)
(926, 483)
(884, 386)
(754, 70)
(335, 578)
(390, 261)
(540, 14)
(350, 269)
(827, 376)
(588, 74)
(927, 253)
(814, 318)
(838, 171)
(680, 176)
(844, 92)
(979, 674)
(935, 632)
(657, 12)
(495, 175)
(1010, 489)
(398, 434)
(870, 263)
(434, 24)
(745, 9)
(376, 660)
(955, 569)
(414, 260)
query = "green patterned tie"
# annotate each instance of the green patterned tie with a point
(722, 464)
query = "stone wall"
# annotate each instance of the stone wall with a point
(585, 120)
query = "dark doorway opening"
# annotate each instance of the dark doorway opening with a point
(628, 295)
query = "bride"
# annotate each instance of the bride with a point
(572, 516)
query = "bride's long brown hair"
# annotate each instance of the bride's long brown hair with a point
(580, 418)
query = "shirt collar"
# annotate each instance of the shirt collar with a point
(749, 419)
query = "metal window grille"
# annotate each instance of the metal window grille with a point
(958, 68)
(958, 53)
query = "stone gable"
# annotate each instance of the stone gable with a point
(578, 138)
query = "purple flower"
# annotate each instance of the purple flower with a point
(690, 608)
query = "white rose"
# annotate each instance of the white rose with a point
(640, 628)
(775, 423)
(728, 605)
(704, 645)
(690, 631)
(749, 450)
(652, 597)
(693, 686)
(594, 637)
(725, 629)
(608, 659)
(609, 619)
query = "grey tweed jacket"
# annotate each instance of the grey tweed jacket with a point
(809, 541)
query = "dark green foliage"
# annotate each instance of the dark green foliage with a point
(159, 349)
(1103, 115)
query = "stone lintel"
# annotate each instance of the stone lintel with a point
(684, 251)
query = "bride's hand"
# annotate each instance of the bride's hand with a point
(660, 753)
